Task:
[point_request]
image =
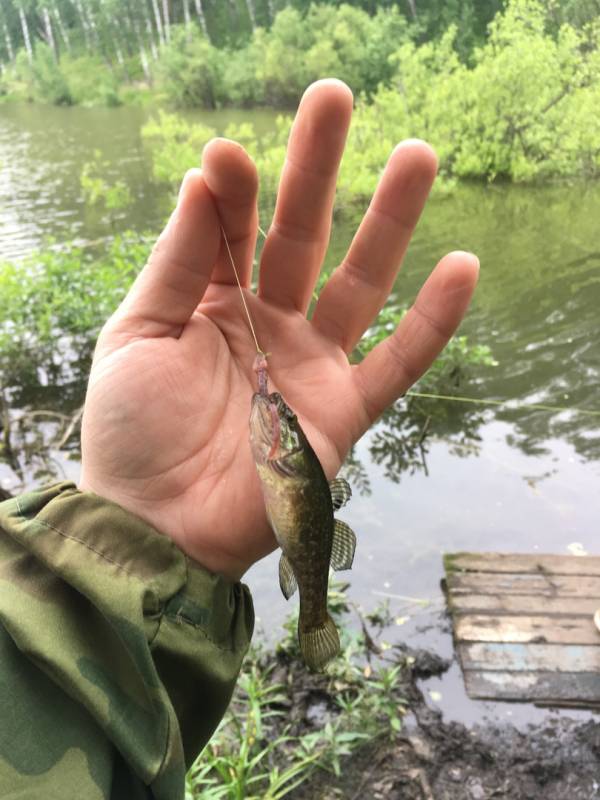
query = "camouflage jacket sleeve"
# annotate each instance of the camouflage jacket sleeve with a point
(118, 655)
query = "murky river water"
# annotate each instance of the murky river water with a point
(522, 480)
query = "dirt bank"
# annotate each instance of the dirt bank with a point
(434, 760)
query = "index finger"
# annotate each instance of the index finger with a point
(168, 289)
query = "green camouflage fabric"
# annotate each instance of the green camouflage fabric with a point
(118, 654)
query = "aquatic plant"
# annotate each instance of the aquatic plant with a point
(262, 750)
(52, 306)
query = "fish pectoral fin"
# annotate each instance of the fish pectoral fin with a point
(343, 545)
(287, 579)
(340, 492)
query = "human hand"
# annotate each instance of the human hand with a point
(165, 425)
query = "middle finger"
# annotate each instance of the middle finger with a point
(299, 234)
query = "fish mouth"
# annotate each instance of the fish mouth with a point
(269, 429)
(265, 427)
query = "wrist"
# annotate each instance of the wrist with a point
(164, 517)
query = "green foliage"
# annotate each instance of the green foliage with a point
(83, 80)
(525, 110)
(98, 192)
(455, 364)
(258, 753)
(52, 306)
(176, 145)
(48, 81)
(41, 79)
(190, 70)
(276, 65)
(241, 760)
(91, 82)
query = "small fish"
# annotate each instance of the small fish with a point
(300, 504)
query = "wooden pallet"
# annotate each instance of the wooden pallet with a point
(524, 628)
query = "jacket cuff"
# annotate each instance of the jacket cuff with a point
(148, 641)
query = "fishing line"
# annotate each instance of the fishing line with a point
(534, 406)
(425, 395)
(237, 277)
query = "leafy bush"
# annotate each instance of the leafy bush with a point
(91, 82)
(175, 145)
(259, 752)
(525, 110)
(276, 65)
(52, 307)
(190, 69)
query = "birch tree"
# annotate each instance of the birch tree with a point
(64, 34)
(201, 17)
(9, 45)
(48, 32)
(251, 12)
(25, 30)
(166, 22)
(158, 21)
(84, 24)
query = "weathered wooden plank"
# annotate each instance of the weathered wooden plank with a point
(543, 629)
(523, 604)
(522, 562)
(545, 584)
(517, 657)
(551, 688)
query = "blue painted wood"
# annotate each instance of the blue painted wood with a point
(530, 657)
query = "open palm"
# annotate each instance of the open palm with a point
(165, 426)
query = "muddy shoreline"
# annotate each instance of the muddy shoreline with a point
(430, 759)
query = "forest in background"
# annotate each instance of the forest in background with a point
(213, 53)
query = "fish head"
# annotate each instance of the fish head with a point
(276, 437)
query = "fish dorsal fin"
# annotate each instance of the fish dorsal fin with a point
(340, 492)
(287, 579)
(343, 545)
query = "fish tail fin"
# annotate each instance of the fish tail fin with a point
(319, 645)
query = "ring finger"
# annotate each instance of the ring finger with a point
(359, 287)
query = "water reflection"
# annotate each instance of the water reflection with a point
(536, 305)
(401, 441)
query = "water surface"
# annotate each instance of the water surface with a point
(510, 478)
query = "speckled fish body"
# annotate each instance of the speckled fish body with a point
(300, 507)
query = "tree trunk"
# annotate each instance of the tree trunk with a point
(26, 39)
(413, 8)
(166, 23)
(201, 17)
(142, 49)
(157, 19)
(63, 31)
(93, 27)
(251, 12)
(149, 31)
(48, 32)
(186, 13)
(84, 24)
(119, 53)
(7, 39)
